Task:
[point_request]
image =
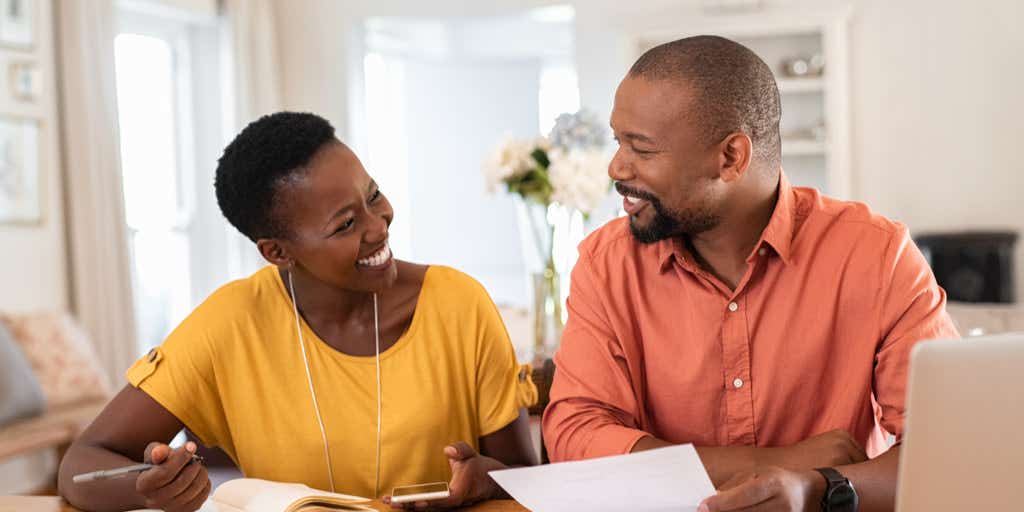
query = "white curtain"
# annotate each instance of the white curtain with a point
(254, 89)
(100, 264)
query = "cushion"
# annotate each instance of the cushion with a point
(20, 394)
(61, 356)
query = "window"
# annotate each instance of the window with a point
(161, 130)
(559, 94)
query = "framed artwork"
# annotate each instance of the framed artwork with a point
(20, 194)
(17, 23)
(24, 81)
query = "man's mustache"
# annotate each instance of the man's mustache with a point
(639, 194)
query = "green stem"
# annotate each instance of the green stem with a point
(550, 263)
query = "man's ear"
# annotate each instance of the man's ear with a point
(736, 151)
(274, 252)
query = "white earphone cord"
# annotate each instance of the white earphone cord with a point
(312, 391)
(376, 336)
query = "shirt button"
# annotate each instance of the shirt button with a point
(762, 251)
(733, 306)
(738, 383)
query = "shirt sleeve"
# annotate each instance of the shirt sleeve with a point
(179, 375)
(503, 385)
(593, 411)
(913, 310)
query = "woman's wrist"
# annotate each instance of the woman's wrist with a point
(494, 491)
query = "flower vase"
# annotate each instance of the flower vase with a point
(547, 314)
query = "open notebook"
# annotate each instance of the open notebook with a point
(254, 495)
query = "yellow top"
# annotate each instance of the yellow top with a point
(233, 373)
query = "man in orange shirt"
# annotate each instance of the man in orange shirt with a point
(766, 324)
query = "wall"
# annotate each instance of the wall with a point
(456, 112)
(32, 259)
(936, 106)
(33, 265)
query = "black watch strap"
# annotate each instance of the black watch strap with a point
(840, 495)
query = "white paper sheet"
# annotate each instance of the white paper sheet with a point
(666, 479)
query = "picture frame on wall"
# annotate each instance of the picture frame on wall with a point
(24, 81)
(20, 189)
(17, 23)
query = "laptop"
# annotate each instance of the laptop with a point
(963, 444)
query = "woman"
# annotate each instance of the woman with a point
(336, 366)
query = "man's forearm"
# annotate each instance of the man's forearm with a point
(721, 462)
(874, 481)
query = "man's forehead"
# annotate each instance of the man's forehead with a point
(651, 104)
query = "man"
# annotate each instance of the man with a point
(766, 324)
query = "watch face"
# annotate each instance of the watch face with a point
(842, 498)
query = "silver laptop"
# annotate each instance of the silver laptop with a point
(963, 447)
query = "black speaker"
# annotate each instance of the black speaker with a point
(972, 266)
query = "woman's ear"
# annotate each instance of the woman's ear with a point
(275, 253)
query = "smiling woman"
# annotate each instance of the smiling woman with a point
(336, 366)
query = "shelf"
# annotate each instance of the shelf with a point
(797, 147)
(801, 85)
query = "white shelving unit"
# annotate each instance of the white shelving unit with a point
(804, 147)
(800, 85)
(775, 34)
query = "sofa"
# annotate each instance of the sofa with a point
(51, 388)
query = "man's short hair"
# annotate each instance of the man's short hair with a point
(735, 90)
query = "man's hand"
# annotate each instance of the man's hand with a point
(831, 449)
(177, 483)
(470, 481)
(769, 489)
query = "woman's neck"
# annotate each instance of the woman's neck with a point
(321, 303)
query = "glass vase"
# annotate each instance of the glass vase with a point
(547, 314)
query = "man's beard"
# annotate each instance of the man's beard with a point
(667, 223)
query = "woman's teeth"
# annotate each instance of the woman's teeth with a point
(378, 259)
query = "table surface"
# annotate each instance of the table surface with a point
(55, 504)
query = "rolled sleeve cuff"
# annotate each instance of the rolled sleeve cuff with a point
(612, 440)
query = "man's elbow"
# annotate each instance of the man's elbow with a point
(573, 434)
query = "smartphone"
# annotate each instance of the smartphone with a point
(421, 492)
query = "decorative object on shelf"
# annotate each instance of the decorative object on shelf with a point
(24, 81)
(806, 66)
(17, 22)
(816, 133)
(557, 178)
(19, 171)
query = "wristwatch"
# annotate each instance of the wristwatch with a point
(840, 496)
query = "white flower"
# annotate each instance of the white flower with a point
(579, 130)
(512, 157)
(579, 177)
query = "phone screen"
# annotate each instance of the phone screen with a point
(420, 489)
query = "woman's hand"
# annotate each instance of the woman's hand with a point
(177, 483)
(470, 481)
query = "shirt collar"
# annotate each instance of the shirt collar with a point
(778, 234)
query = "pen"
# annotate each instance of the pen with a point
(104, 474)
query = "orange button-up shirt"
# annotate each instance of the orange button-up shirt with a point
(816, 336)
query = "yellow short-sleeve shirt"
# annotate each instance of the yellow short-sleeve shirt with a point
(233, 373)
